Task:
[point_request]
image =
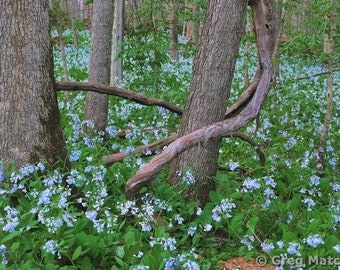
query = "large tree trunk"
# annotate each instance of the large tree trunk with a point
(30, 127)
(210, 86)
(96, 108)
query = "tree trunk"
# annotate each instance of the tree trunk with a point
(30, 127)
(174, 32)
(96, 107)
(196, 28)
(117, 33)
(73, 9)
(329, 48)
(209, 90)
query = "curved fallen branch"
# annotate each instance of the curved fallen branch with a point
(158, 145)
(153, 147)
(123, 93)
(263, 34)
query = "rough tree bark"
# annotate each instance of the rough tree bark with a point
(174, 32)
(213, 70)
(200, 138)
(96, 107)
(30, 127)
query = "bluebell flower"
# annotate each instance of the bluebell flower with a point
(207, 227)
(293, 249)
(146, 227)
(189, 265)
(11, 225)
(337, 248)
(171, 264)
(45, 197)
(192, 230)
(280, 244)
(2, 175)
(248, 241)
(314, 240)
(52, 247)
(75, 155)
(91, 215)
(188, 178)
(267, 247)
(3, 252)
(314, 180)
(233, 165)
(310, 203)
(250, 185)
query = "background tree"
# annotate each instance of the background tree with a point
(117, 33)
(96, 107)
(30, 124)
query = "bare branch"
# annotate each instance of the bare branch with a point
(119, 92)
(316, 74)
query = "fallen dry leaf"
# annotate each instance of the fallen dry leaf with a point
(242, 263)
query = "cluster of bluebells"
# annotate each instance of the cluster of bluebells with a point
(12, 219)
(335, 210)
(267, 246)
(167, 243)
(146, 212)
(314, 240)
(188, 178)
(182, 261)
(311, 192)
(53, 248)
(269, 184)
(224, 209)
(248, 241)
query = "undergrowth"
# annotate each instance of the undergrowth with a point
(286, 212)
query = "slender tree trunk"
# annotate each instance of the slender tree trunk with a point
(117, 33)
(280, 19)
(30, 127)
(174, 32)
(209, 91)
(96, 108)
(329, 49)
(73, 9)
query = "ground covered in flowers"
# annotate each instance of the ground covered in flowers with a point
(287, 212)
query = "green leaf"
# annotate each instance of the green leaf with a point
(10, 236)
(76, 253)
(86, 264)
